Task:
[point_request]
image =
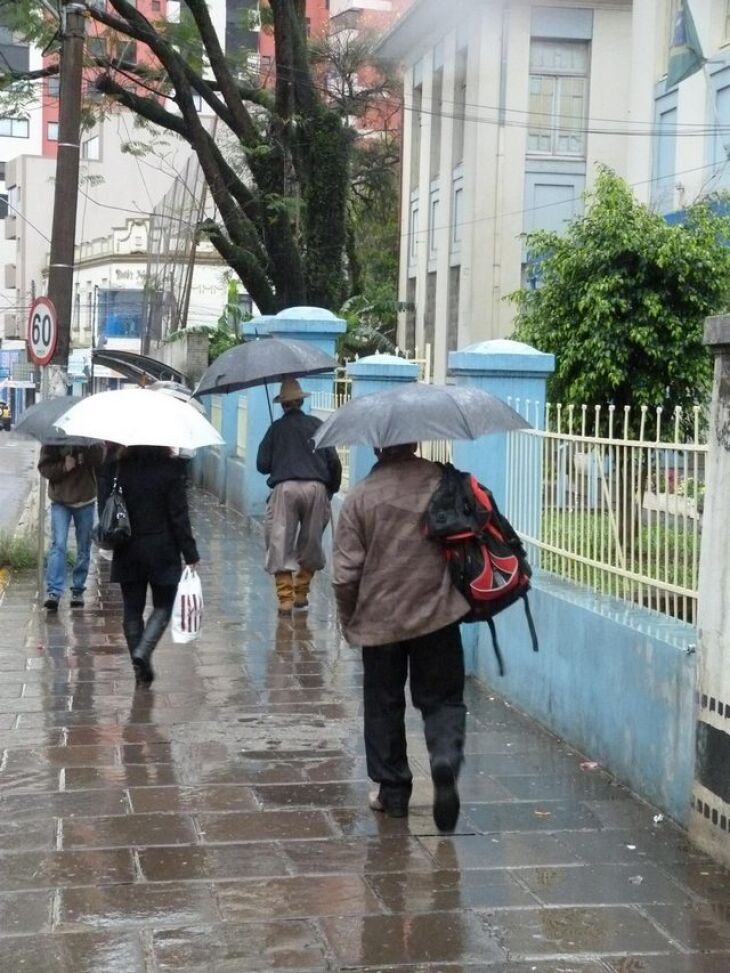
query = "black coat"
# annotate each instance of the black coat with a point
(287, 453)
(157, 502)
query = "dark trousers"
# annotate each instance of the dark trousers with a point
(436, 665)
(134, 597)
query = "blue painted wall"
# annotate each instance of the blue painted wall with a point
(615, 681)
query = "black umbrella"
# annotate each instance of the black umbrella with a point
(38, 421)
(260, 361)
(415, 413)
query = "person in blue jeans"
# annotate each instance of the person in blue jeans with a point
(71, 475)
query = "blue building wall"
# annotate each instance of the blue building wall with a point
(614, 680)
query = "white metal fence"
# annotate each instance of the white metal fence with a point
(612, 501)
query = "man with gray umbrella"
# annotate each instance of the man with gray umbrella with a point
(298, 510)
(395, 598)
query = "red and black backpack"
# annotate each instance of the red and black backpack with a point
(486, 558)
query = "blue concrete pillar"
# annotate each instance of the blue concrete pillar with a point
(514, 372)
(517, 373)
(376, 373)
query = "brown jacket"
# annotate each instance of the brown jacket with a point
(72, 487)
(391, 583)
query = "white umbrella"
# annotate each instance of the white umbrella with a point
(137, 417)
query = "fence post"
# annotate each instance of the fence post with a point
(512, 371)
(375, 373)
(710, 813)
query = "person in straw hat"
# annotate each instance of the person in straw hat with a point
(302, 483)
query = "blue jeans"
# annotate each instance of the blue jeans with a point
(61, 517)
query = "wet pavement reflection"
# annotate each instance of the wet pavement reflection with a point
(219, 821)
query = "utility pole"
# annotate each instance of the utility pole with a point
(63, 234)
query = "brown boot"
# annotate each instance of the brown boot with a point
(302, 581)
(284, 591)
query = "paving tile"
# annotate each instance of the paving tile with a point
(671, 963)
(530, 816)
(350, 794)
(579, 786)
(263, 826)
(700, 926)
(601, 885)
(128, 831)
(154, 905)
(56, 869)
(213, 862)
(190, 799)
(704, 878)
(77, 953)
(665, 845)
(396, 854)
(499, 851)
(25, 835)
(424, 939)
(279, 945)
(441, 891)
(575, 932)
(24, 913)
(66, 804)
(297, 897)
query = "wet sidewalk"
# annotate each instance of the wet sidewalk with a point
(219, 822)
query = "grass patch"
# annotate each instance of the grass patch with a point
(665, 552)
(19, 553)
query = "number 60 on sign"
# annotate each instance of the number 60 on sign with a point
(42, 331)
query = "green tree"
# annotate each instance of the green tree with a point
(282, 197)
(622, 300)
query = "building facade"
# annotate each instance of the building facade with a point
(497, 99)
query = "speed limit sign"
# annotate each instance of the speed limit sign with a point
(42, 331)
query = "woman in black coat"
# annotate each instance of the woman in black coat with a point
(153, 487)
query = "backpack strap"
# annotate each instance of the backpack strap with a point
(495, 646)
(530, 622)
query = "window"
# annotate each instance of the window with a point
(452, 330)
(52, 131)
(3, 206)
(54, 87)
(96, 47)
(437, 107)
(413, 233)
(409, 337)
(91, 149)
(2, 172)
(156, 6)
(457, 216)
(433, 225)
(416, 135)
(459, 106)
(17, 128)
(558, 98)
(429, 312)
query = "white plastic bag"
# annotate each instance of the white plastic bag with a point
(187, 614)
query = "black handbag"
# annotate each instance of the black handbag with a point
(114, 530)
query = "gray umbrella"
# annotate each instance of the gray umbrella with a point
(260, 361)
(38, 421)
(416, 413)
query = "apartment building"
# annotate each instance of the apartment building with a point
(687, 156)
(18, 134)
(499, 139)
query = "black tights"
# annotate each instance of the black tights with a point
(134, 597)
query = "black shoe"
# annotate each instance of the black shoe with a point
(77, 599)
(51, 603)
(392, 810)
(446, 804)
